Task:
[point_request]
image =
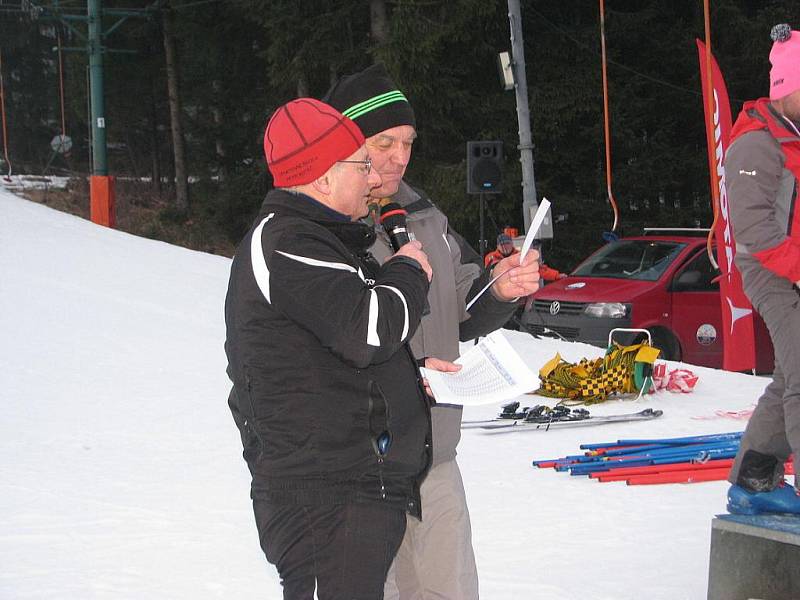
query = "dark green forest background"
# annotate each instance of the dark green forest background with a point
(238, 60)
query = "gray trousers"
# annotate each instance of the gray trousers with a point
(436, 560)
(774, 428)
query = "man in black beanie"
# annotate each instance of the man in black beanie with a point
(436, 558)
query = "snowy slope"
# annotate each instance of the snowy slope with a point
(121, 474)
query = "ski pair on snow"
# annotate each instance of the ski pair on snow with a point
(544, 417)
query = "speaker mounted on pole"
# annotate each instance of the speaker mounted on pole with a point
(485, 167)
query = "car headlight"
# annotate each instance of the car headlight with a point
(607, 310)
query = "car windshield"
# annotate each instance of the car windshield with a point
(644, 260)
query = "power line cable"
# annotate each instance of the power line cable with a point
(615, 63)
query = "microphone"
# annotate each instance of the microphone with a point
(393, 219)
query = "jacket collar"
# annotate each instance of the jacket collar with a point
(405, 195)
(759, 114)
(355, 235)
(301, 205)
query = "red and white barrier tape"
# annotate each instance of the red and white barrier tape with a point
(738, 415)
(678, 381)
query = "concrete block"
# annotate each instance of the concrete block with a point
(754, 558)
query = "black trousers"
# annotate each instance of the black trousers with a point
(343, 551)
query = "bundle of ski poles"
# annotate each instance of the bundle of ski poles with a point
(652, 461)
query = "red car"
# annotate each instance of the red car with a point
(661, 282)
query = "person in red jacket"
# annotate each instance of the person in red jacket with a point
(762, 170)
(505, 247)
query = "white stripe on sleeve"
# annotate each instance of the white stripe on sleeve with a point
(260, 270)
(319, 263)
(373, 339)
(444, 237)
(405, 308)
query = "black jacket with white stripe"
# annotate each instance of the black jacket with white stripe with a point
(317, 346)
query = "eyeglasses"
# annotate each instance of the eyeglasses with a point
(367, 164)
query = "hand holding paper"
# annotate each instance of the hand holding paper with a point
(491, 372)
(508, 284)
(520, 280)
(440, 365)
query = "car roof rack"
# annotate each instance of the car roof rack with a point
(686, 231)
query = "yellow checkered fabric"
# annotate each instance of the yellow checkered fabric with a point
(592, 381)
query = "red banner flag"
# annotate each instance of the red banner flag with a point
(737, 312)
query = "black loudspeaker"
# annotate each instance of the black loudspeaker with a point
(484, 167)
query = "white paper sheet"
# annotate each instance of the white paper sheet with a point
(491, 372)
(538, 219)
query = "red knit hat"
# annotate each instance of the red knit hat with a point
(304, 138)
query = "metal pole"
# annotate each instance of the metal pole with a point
(99, 162)
(482, 243)
(529, 202)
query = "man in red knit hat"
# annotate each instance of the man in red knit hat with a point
(762, 170)
(326, 394)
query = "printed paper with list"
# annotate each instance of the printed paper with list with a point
(491, 372)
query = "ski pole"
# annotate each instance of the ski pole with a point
(689, 439)
(689, 451)
(682, 466)
(680, 477)
(690, 476)
(677, 457)
(676, 440)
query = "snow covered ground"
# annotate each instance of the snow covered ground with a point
(34, 182)
(121, 474)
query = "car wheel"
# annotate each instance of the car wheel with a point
(667, 343)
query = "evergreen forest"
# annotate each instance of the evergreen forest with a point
(218, 69)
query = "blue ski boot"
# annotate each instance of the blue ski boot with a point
(760, 487)
(783, 499)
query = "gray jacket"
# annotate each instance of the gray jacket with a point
(455, 281)
(761, 196)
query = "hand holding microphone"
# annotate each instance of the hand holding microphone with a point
(413, 249)
(393, 219)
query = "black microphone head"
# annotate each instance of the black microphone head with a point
(393, 219)
(393, 215)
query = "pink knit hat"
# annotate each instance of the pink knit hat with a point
(784, 77)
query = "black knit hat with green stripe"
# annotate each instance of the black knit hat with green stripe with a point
(372, 100)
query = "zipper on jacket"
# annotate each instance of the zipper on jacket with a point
(380, 435)
(380, 477)
(249, 421)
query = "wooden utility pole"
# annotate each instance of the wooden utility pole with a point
(378, 24)
(175, 111)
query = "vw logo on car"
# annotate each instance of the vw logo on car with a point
(555, 307)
